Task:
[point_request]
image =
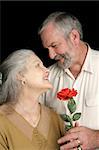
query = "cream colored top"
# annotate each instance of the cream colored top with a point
(87, 85)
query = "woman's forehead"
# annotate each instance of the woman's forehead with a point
(33, 58)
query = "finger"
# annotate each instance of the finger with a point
(74, 148)
(62, 140)
(75, 129)
(78, 141)
(68, 137)
(70, 145)
(76, 124)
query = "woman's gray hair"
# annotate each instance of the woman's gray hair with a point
(10, 67)
(64, 22)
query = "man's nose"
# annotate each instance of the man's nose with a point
(52, 53)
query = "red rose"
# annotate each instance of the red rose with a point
(66, 94)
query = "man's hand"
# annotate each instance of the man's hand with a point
(88, 139)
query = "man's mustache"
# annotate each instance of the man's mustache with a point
(58, 57)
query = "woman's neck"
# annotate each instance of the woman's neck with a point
(29, 107)
(29, 112)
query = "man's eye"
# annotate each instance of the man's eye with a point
(54, 46)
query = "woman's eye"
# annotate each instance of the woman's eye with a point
(37, 65)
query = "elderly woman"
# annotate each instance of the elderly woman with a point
(24, 123)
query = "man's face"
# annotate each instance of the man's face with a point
(60, 49)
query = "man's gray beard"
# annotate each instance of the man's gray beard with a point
(67, 62)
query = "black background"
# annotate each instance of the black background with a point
(20, 21)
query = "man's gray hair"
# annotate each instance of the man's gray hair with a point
(64, 22)
(10, 67)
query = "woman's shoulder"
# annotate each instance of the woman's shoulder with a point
(5, 110)
(48, 109)
(54, 115)
(3, 119)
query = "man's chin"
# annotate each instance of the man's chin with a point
(63, 66)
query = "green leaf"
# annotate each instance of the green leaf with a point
(65, 117)
(76, 116)
(71, 105)
(67, 127)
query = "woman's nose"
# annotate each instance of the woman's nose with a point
(45, 69)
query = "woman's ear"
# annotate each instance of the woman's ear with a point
(75, 37)
(21, 78)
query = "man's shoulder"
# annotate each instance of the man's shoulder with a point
(95, 60)
(95, 55)
(95, 52)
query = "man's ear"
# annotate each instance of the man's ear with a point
(75, 37)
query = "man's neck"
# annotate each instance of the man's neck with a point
(76, 68)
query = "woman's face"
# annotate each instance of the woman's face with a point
(37, 74)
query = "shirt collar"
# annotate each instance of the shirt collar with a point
(87, 66)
